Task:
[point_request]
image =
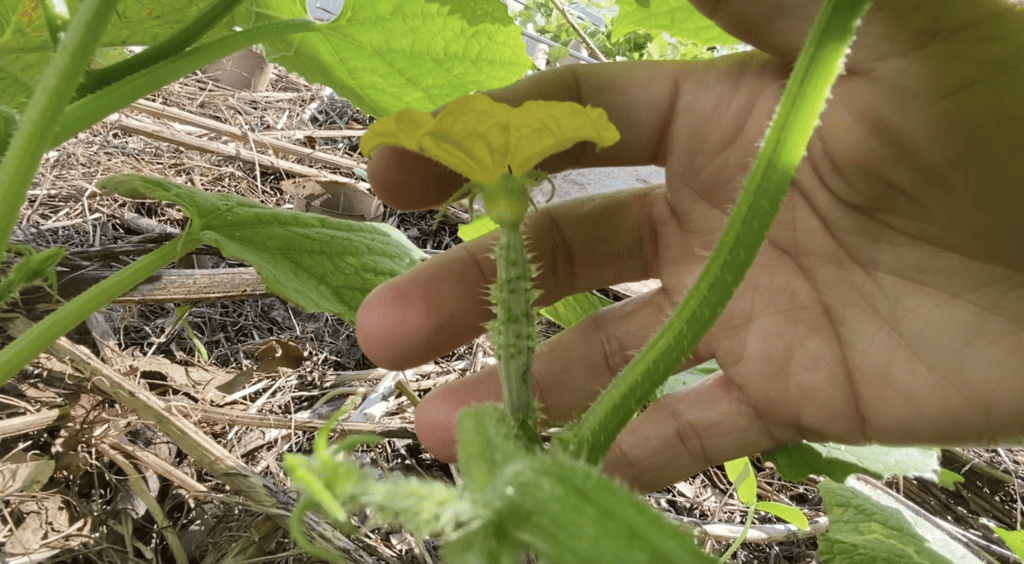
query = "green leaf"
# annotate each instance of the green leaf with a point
(687, 378)
(741, 473)
(491, 543)
(568, 512)
(385, 55)
(486, 445)
(787, 513)
(949, 479)
(575, 308)
(1014, 540)
(315, 262)
(143, 22)
(864, 531)
(29, 270)
(797, 461)
(678, 18)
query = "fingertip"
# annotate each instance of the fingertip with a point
(435, 426)
(437, 414)
(406, 180)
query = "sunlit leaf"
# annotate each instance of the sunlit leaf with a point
(385, 55)
(797, 461)
(741, 473)
(787, 513)
(678, 18)
(863, 531)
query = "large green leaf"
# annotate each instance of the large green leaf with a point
(797, 461)
(863, 531)
(25, 50)
(563, 510)
(317, 263)
(142, 22)
(678, 18)
(570, 513)
(385, 55)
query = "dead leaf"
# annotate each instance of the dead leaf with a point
(279, 354)
(25, 476)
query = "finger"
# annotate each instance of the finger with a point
(569, 371)
(442, 304)
(638, 96)
(704, 424)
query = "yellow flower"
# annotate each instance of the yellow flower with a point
(483, 140)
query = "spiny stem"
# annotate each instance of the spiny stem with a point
(785, 143)
(514, 331)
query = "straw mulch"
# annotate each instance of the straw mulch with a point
(85, 474)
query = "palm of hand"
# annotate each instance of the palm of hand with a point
(885, 305)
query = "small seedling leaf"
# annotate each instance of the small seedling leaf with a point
(384, 55)
(787, 513)
(315, 262)
(797, 461)
(29, 270)
(479, 227)
(741, 473)
(1014, 540)
(864, 531)
(949, 479)
(678, 18)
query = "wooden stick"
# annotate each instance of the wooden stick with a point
(168, 135)
(243, 136)
(207, 453)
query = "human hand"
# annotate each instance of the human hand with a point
(887, 304)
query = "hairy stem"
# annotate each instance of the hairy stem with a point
(51, 95)
(514, 330)
(28, 346)
(785, 143)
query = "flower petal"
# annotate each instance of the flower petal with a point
(482, 139)
(543, 128)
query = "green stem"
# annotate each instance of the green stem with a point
(89, 110)
(49, 99)
(183, 38)
(514, 330)
(785, 143)
(739, 540)
(28, 346)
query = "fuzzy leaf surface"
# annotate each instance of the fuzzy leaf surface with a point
(797, 461)
(678, 18)
(317, 263)
(385, 55)
(569, 513)
(864, 531)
